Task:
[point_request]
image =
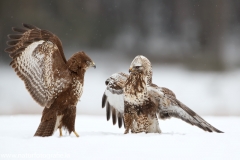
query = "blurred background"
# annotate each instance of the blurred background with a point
(193, 46)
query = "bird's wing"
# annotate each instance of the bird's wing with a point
(38, 59)
(113, 97)
(169, 106)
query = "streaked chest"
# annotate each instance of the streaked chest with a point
(77, 88)
(135, 90)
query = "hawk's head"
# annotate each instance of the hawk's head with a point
(141, 64)
(80, 61)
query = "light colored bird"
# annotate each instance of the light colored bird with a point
(52, 81)
(140, 103)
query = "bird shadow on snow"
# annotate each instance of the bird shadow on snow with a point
(83, 134)
(93, 133)
(173, 133)
(86, 134)
(100, 134)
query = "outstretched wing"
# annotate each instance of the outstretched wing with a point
(113, 97)
(169, 107)
(38, 59)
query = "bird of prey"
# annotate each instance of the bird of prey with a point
(139, 102)
(53, 82)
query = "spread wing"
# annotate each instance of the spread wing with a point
(113, 97)
(38, 59)
(169, 107)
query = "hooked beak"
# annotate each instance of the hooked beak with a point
(130, 70)
(93, 65)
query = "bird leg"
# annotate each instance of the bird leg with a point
(134, 122)
(128, 122)
(76, 133)
(60, 130)
(142, 124)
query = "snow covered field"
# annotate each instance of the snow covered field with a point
(99, 139)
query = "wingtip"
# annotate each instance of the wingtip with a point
(9, 49)
(114, 116)
(14, 36)
(29, 26)
(20, 30)
(218, 131)
(12, 42)
(107, 81)
(119, 120)
(104, 99)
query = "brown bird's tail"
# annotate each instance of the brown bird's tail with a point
(46, 128)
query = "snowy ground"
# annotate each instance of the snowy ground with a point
(99, 139)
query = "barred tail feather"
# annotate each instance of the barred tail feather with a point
(46, 128)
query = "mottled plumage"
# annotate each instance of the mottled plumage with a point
(140, 102)
(53, 82)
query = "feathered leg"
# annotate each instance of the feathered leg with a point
(147, 124)
(128, 120)
(154, 125)
(142, 124)
(68, 120)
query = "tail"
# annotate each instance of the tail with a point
(46, 128)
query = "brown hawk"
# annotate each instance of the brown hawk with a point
(52, 81)
(140, 103)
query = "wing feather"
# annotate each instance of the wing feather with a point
(120, 119)
(20, 30)
(15, 36)
(104, 100)
(169, 107)
(39, 61)
(29, 26)
(114, 116)
(113, 97)
(108, 111)
(12, 42)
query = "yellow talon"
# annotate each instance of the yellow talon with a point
(76, 133)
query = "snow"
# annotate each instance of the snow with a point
(99, 139)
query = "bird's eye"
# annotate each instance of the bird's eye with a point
(137, 67)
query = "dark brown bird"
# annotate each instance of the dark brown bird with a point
(52, 81)
(140, 103)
